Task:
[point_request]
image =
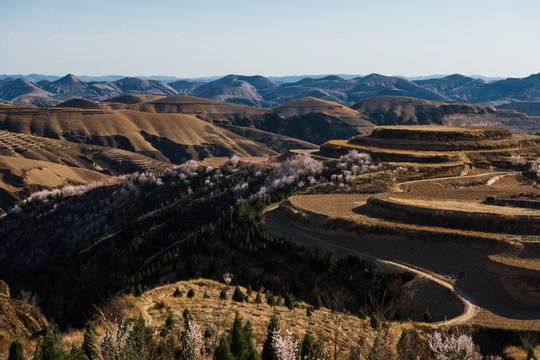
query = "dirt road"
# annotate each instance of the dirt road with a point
(470, 307)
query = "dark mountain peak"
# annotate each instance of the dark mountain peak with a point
(331, 78)
(373, 76)
(257, 81)
(67, 84)
(20, 87)
(457, 77)
(133, 85)
(69, 78)
(21, 81)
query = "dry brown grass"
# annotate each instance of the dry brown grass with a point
(156, 304)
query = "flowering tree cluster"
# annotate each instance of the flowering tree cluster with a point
(288, 173)
(535, 167)
(461, 347)
(193, 341)
(286, 348)
(517, 161)
(351, 165)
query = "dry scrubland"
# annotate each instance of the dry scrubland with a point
(156, 304)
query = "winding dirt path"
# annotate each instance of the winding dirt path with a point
(470, 307)
(498, 175)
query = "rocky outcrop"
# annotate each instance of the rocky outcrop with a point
(18, 318)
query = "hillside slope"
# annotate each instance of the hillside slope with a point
(396, 110)
(166, 137)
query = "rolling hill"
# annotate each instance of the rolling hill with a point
(259, 91)
(171, 138)
(395, 110)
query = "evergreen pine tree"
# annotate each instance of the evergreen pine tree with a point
(138, 290)
(90, 344)
(374, 321)
(187, 317)
(530, 354)
(258, 299)
(290, 301)
(223, 352)
(177, 293)
(141, 341)
(317, 302)
(270, 299)
(238, 345)
(311, 348)
(50, 346)
(238, 295)
(77, 353)
(169, 322)
(16, 349)
(268, 352)
(223, 294)
(252, 353)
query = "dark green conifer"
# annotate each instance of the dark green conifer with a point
(312, 348)
(268, 352)
(177, 293)
(16, 349)
(90, 344)
(238, 295)
(77, 353)
(138, 290)
(317, 302)
(239, 346)
(530, 354)
(50, 345)
(223, 352)
(258, 299)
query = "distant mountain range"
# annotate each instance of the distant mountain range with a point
(260, 91)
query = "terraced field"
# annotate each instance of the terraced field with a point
(498, 271)
(489, 253)
(31, 163)
(438, 145)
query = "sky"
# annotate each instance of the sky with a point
(271, 38)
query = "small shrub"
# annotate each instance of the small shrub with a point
(426, 316)
(309, 311)
(317, 302)
(530, 354)
(190, 294)
(238, 295)
(223, 294)
(374, 321)
(159, 305)
(290, 301)
(177, 293)
(16, 349)
(138, 290)
(270, 299)
(362, 314)
(169, 322)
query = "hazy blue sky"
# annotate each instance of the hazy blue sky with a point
(218, 37)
